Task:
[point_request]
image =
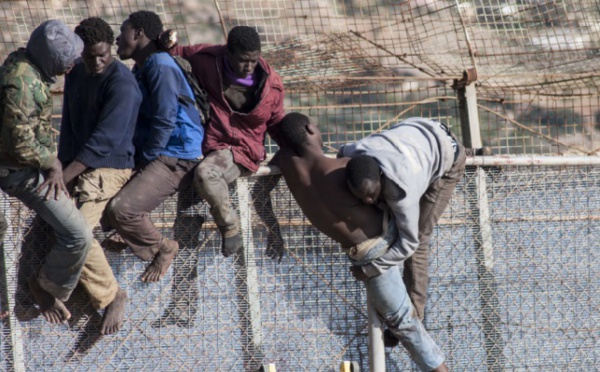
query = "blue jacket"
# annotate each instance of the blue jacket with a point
(167, 125)
(99, 117)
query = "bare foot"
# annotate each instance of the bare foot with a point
(161, 262)
(114, 313)
(51, 308)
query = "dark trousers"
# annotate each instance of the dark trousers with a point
(432, 206)
(129, 210)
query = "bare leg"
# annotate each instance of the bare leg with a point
(161, 262)
(114, 314)
(51, 308)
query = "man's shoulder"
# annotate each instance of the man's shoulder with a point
(121, 67)
(77, 73)
(273, 78)
(159, 65)
(22, 81)
(156, 58)
(121, 72)
(18, 67)
(207, 50)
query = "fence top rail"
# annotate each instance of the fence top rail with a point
(496, 161)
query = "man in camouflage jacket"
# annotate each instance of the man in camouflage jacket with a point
(29, 168)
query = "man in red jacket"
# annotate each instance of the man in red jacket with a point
(246, 100)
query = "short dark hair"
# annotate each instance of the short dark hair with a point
(148, 21)
(95, 30)
(292, 130)
(243, 39)
(361, 168)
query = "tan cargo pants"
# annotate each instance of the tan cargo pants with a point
(93, 190)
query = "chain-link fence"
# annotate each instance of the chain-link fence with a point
(514, 286)
(514, 270)
(359, 65)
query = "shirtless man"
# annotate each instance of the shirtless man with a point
(318, 184)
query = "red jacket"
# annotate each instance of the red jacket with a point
(243, 133)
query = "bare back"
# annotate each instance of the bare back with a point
(318, 184)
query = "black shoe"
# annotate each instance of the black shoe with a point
(232, 244)
(389, 340)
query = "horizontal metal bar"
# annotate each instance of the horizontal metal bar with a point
(532, 160)
(496, 160)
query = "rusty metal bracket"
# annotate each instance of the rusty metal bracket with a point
(469, 76)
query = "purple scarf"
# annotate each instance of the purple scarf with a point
(248, 81)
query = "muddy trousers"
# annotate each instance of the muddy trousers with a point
(93, 190)
(432, 205)
(129, 211)
(211, 178)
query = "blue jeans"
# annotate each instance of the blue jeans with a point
(64, 262)
(388, 294)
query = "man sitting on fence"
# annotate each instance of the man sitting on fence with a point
(319, 186)
(29, 168)
(168, 140)
(101, 103)
(410, 170)
(246, 100)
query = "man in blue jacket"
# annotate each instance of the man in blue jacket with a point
(168, 141)
(100, 109)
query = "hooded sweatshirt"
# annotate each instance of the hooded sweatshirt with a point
(52, 48)
(242, 132)
(26, 138)
(412, 155)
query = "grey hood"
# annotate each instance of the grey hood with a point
(53, 47)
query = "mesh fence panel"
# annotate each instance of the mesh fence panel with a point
(514, 281)
(528, 301)
(360, 65)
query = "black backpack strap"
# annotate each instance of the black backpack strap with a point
(200, 98)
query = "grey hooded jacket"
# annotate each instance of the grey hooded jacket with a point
(412, 155)
(53, 47)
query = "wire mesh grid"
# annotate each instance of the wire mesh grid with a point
(356, 67)
(532, 302)
(361, 61)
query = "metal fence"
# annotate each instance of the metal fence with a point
(358, 65)
(514, 270)
(515, 285)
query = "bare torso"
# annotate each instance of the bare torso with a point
(318, 184)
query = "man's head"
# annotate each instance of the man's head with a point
(53, 48)
(243, 50)
(364, 178)
(297, 132)
(97, 39)
(137, 31)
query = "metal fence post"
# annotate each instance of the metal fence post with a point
(9, 259)
(247, 282)
(376, 346)
(471, 133)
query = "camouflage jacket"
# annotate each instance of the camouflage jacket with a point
(25, 115)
